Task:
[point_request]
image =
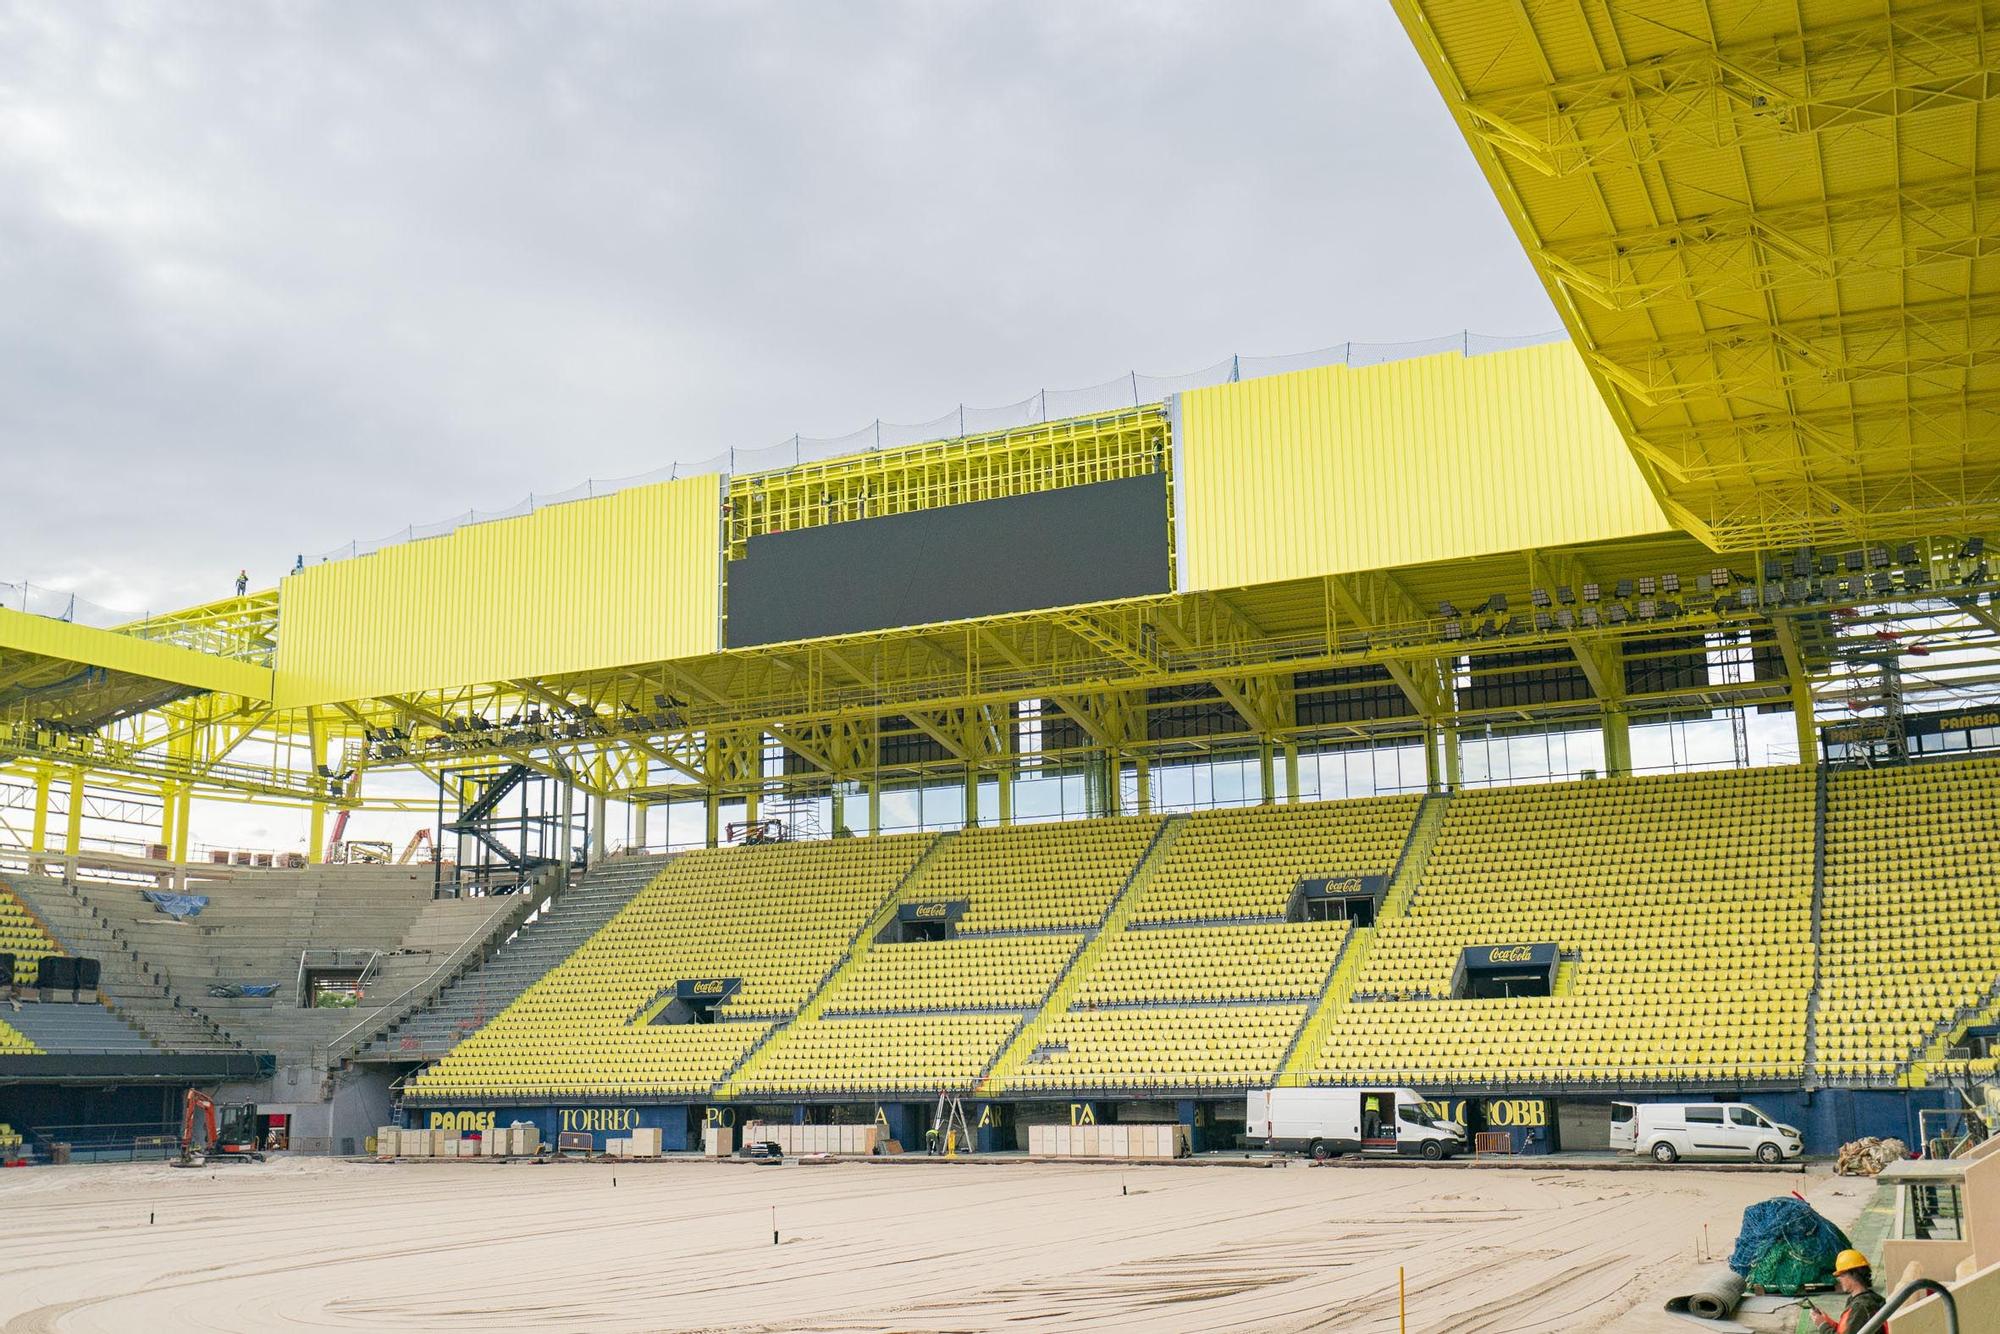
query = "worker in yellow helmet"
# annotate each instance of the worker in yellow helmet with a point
(1852, 1276)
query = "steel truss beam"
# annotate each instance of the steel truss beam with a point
(1719, 98)
(1748, 252)
(1935, 339)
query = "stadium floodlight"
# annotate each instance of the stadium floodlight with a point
(1802, 563)
(1454, 629)
(1497, 602)
(1624, 588)
(1446, 608)
(1543, 622)
(1648, 609)
(1878, 558)
(1565, 594)
(1906, 554)
(1590, 619)
(1853, 560)
(1882, 581)
(1618, 614)
(1973, 548)
(1746, 596)
(1828, 564)
(1800, 590)
(1719, 576)
(1538, 597)
(1774, 569)
(1670, 583)
(1566, 618)
(1648, 585)
(1591, 592)
(1916, 576)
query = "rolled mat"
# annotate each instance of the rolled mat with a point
(1716, 1295)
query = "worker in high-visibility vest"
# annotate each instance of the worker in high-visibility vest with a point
(1852, 1276)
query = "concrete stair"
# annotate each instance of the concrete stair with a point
(87, 1029)
(464, 1005)
(140, 993)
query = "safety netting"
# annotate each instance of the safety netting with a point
(1786, 1246)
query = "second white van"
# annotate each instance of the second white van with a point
(1670, 1131)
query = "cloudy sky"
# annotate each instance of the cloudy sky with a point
(274, 276)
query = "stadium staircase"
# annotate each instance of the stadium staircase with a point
(492, 979)
(849, 963)
(1932, 1056)
(143, 993)
(1027, 1037)
(1817, 924)
(1403, 883)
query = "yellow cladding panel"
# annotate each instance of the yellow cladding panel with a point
(1333, 470)
(24, 632)
(627, 578)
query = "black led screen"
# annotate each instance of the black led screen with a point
(1049, 549)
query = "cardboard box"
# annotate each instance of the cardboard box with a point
(440, 1138)
(647, 1142)
(527, 1140)
(1116, 1141)
(718, 1141)
(386, 1138)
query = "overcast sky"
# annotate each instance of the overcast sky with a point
(276, 276)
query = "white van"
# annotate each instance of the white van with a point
(1327, 1122)
(1671, 1131)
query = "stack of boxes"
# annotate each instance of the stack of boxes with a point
(515, 1141)
(642, 1143)
(1123, 1141)
(849, 1139)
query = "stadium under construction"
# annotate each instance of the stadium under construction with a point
(1540, 725)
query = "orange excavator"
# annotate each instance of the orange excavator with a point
(207, 1136)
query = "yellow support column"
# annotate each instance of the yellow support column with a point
(1617, 742)
(38, 842)
(1802, 719)
(316, 834)
(1267, 774)
(73, 835)
(1291, 772)
(168, 808)
(874, 804)
(1143, 769)
(1448, 740)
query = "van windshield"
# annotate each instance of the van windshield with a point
(1415, 1115)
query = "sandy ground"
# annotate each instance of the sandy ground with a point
(313, 1244)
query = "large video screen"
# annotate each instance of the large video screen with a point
(1050, 549)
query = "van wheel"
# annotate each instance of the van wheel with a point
(1664, 1152)
(1320, 1150)
(1433, 1150)
(1769, 1153)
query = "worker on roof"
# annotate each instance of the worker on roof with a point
(1852, 1276)
(242, 582)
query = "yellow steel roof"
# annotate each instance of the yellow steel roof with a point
(1773, 229)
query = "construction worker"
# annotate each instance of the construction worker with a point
(1852, 1276)
(242, 582)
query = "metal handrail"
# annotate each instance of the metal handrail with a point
(1903, 1294)
(457, 956)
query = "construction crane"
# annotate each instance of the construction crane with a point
(422, 838)
(208, 1137)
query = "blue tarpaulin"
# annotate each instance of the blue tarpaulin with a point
(176, 905)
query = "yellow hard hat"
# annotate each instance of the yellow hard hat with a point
(1849, 1259)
